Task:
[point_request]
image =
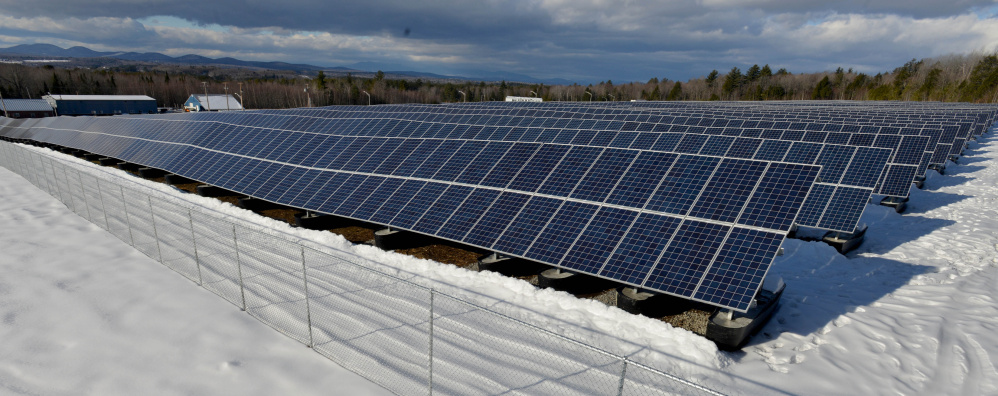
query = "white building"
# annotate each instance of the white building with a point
(212, 103)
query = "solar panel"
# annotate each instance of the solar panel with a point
(604, 189)
(563, 204)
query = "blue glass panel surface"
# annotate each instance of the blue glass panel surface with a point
(815, 204)
(465, 216)
(780, 193)
(687, 257)
(845, 209)
(414, 209)
(377, 198)
(604, 174)
(567, 174)
(683, 184)
(434, 213)
(866, 167)
(640, 248)
(728, 190)
(527, 226)
(551, 244)
(496, 219)
(599, 239)
(487, 159)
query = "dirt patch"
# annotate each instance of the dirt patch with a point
(285, 215)
(694, 320)
(189, 187)
(444, 254)
(355, 234)
(234, 200)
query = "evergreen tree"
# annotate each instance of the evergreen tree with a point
(320, 80)
(656, 94)
(676, 93)
(711, 78)
(766, 71)
(753, 73)
(982, 80)
(732, 81)
(823, 90)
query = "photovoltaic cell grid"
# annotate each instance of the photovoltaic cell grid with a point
(844, 167)
(911, 158)
(569, 206)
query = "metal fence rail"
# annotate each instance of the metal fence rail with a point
(403, 336)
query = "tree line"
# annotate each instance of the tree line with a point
(968, 78)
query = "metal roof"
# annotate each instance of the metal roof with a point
(26, 105)
(219, 102)
(99, 97)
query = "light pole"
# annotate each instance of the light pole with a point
(611, 97)
(205, 104)
(590, 95)
(368, 97)
(226, 86)
(464, 96)
(4, 106)
(308, 96)
(243, 104)
(535, 93)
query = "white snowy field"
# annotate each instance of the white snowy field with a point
(82, 313)
(912, 311)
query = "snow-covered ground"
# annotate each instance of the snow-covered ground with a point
(912, 311)
(82, 313)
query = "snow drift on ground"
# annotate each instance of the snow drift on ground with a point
(82, 313)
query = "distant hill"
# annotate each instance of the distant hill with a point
(49, 50)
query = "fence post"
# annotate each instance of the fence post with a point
(83, 190)
(194, 240)
(72, 199)
(58, 188)
(308, 308)
(100, 193)
(623, 375)
(155, 233)
(430, 364)
(239, 267)
(128, 222)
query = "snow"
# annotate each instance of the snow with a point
(912, 311)
(82, 313)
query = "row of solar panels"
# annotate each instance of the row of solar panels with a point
(689, 213)
(850, 174)
(697, 226)
(909, 160)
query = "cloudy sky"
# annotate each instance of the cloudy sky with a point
(578, 40)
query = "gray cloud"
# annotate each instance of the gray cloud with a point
(586, 40)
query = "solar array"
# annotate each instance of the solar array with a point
(692, 200)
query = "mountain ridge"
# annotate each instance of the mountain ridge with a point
(42, 49)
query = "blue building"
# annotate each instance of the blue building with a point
(26, 108)
(101, 104)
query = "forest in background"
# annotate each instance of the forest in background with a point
(966, 78)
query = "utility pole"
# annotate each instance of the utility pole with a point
(205, 104)
(4, 106)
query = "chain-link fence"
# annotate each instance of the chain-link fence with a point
(403, 336)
